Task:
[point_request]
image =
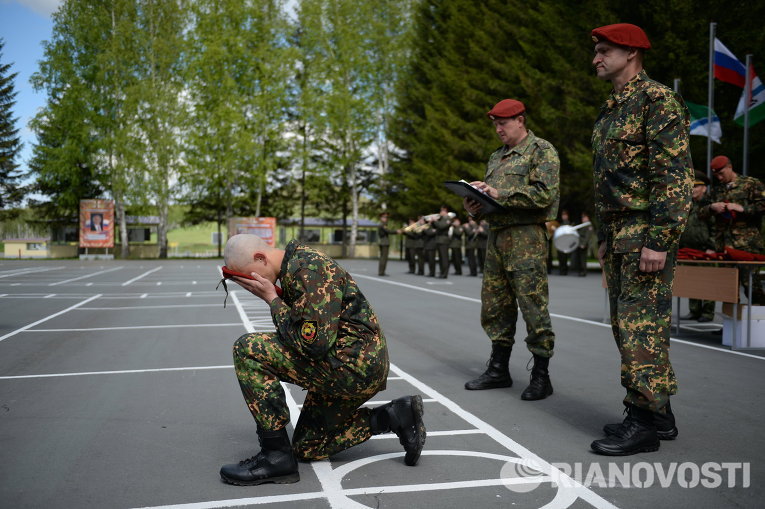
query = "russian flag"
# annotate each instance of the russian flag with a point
(727, 67)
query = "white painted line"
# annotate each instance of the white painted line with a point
(510, 444)
(447, 433)
(89, 284)
(85, 276)
(54, 315)
(188, 294)
(15, 284)
(49, 296)
(3, 294)
(384, 402)
(394, 378)
(428, 290)
(563, 317)
(140, 327)
(240, 502)
(193, 282)
(159, 283)
(141, 276)
(30, 270)
(120, 372)
(143, 296)
(169, 306)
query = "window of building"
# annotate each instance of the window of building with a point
(35, 246)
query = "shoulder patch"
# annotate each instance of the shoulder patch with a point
(308, 331)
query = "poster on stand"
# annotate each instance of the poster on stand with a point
(263, 227)
(96, 223)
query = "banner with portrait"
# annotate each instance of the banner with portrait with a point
(263, 227)
(96, 223)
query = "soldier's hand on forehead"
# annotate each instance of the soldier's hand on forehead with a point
(258, 286)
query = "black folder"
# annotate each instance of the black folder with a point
(488, 204)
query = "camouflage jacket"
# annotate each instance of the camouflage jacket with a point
(697, 234)
(322, 313)
(740, 230)
(527, 177)
(642, 167)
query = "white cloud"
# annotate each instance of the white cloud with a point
(44, 7)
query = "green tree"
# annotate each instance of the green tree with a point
(87, 67)
(10, 143)
(157, 98)
(469, 55)
(239, 65)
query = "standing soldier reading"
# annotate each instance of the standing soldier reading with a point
(643, 176)
(523, 176)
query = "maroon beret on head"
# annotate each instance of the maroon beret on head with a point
(719, 162)
(506, 108)
(623, 34)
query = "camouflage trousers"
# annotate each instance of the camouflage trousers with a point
(513, 279)
(641, 315)
(331, 419)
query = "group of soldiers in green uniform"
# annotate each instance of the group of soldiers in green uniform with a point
(440, 240)
(328, 339)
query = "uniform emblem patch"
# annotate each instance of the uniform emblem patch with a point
(308, 331)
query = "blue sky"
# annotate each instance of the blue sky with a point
(24, 25)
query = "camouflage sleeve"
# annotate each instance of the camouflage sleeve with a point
(670, 172)
(543, 182)
(755, 204)
(310, 325)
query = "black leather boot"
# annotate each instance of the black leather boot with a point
(539, 386)
(275, 463)
(637, 434)
(497, 373)
(665, 425)
(402, 416)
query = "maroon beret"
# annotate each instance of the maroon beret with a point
(506, 108)
(623, 34)
(719, 162)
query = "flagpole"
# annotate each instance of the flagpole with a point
(747, 103)
(710, 94)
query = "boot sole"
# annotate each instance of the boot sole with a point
(418, 410)
(281, 479)
(607, 452)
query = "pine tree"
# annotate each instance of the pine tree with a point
(10, 143)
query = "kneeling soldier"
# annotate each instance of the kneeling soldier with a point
(328, 341)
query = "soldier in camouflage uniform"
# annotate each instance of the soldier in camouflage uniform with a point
(737, 205)
(523, 176)
(328, 341)
(642, 176)
(383, 241)
(697, 236)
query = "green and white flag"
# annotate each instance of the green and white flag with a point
(699, 118)
(756, 103)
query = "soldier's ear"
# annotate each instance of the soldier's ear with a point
(260, 256)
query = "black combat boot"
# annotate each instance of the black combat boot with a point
(637, 434)
(539, 386)
(402, 416)
(497, 373)
(665, 425)
(275, 463)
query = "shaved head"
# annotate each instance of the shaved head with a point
(240, 249)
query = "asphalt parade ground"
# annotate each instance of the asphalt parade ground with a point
(117, 390)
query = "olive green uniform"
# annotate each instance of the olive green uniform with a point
(527, 179)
